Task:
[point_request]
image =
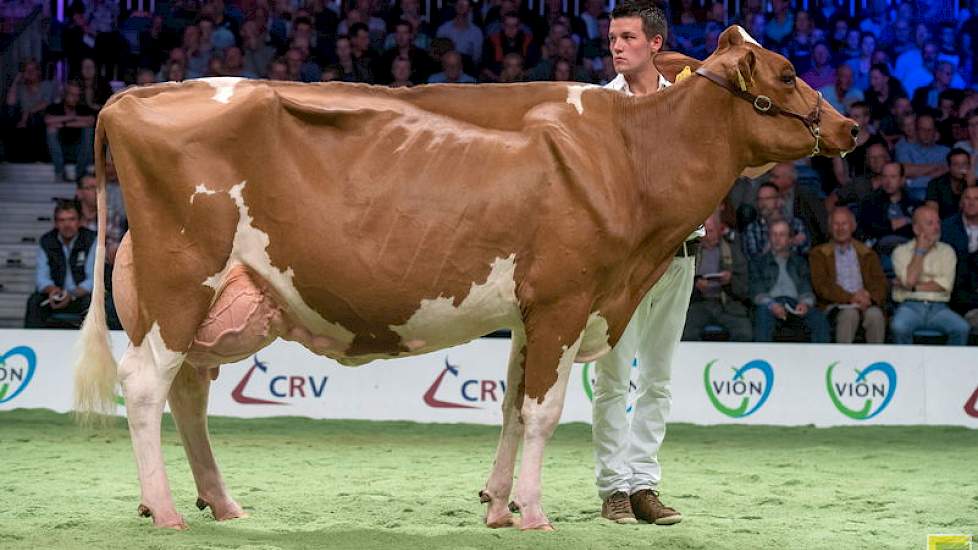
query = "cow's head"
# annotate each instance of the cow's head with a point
(787, 119)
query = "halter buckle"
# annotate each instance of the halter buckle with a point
(763, 103)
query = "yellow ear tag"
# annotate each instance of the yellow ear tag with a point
(740, 80)
(683, 74)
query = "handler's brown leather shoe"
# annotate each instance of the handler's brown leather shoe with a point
(618, 509)
(647, 507)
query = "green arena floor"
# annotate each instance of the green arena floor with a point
(394, 485)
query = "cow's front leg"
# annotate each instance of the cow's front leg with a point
(146, 374)
(500, 482)
(547, 370)
(188, 403)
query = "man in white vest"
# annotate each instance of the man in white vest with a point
(626, 464)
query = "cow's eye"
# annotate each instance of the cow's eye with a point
(788, 79)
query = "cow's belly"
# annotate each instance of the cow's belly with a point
(248, 314)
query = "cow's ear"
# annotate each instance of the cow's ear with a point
(741, 69)
(735, 35)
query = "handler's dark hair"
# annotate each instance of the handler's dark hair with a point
(652, 16)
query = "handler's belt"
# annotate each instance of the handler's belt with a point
(688, 249)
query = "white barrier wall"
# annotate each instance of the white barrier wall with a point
(782, 384)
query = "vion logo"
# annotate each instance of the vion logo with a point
(743, 392)
(16, 370)
(280, 386)
(462, 393)
(855, 397)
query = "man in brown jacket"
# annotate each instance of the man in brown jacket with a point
(848, 280)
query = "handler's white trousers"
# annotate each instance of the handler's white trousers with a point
(626, 454)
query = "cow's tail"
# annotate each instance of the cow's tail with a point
(95, 367)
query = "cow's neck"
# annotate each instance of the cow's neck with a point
(680, 187)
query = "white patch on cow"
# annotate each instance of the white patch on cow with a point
(574, 96)
(594, 339)
(151, 354)
(747, 37)
(438, 323)
(223, 86)
(250, 248)
(201, 189)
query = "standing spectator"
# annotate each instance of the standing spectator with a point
(466, 36)
(27, 99)
(886, 216)
(780, 285)
(925, 272)
(961, 233)
(842, 94)
(944, 192)
(65, 269)
(923, 160)
(720, 286)
(848, 280)
(70, 126)
(770, 208)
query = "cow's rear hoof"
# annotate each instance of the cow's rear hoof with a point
(224, 512)
(163, 521)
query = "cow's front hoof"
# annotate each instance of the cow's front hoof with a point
(531, 518)
(497, 515)
(172, 520)
(225, 510)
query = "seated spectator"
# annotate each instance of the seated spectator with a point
(65, 269)
(883, 91)
(145, 77)
(720, 287)
(842, 94)
(566, 50)
(361, 51)
(890, 126)
(234, 64)
(944, 192)
(854, 164)
(419, 62)
(924, 159)
(27, 99)
(971, 144)
(198, 54)
(779, 26)
(71, 128)
(926, 97)
(800, 201)
(94, 90)
(401, 73)
(86, 191)
(862, 63)
(860, 188)
(451, 73)
(301, 68)
(509, 39)
(257, 54)
(780, 286)
(918, 67)
(770, 208)
(350, 70)
(886, 217)
(848, 280)
(278, 69)
(820, 74)
(466, 36)
(512, 69)
(961, 233)
(925, 271)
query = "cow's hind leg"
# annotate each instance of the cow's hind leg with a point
(547, 370)
(146, 372)
(500, 482)
(188, 403)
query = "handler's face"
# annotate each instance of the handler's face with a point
(631, 49)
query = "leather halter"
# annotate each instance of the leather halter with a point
(765, 106)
